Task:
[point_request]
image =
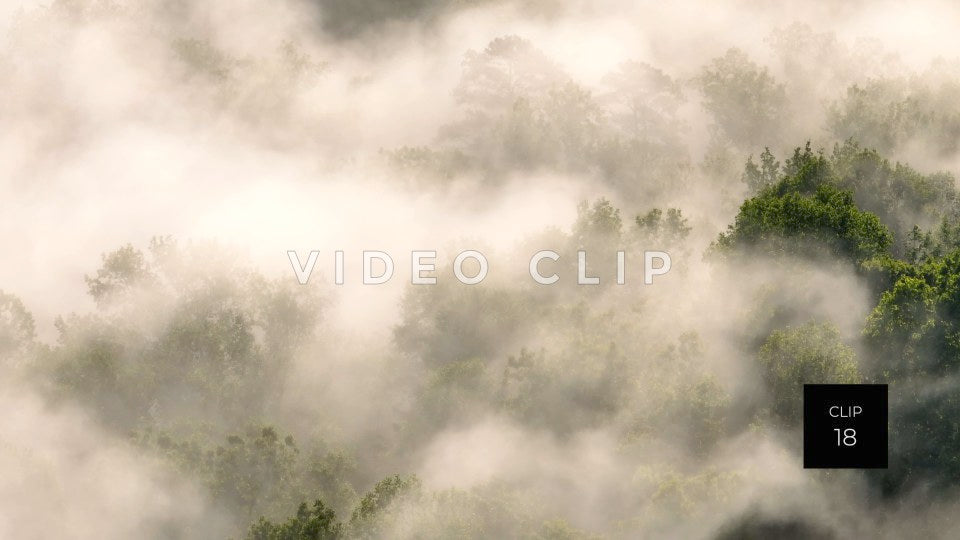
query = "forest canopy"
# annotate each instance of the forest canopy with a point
(165, 375)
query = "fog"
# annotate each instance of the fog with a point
(213, 137)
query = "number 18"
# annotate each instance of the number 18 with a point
(847, 438)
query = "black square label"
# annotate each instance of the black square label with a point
(844, 426)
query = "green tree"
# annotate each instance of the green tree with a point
(891, 113)
(900, 196)
(916, 324)
(782, 221)
(180, 332)
(766, 174)
(669, 229)
(809, 354)
(310, 523)
(748, 105)
(121, 271)
(17, 330)
(368, 519)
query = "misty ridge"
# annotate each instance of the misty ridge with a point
(164, 374)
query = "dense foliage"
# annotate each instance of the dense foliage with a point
(509, 409)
